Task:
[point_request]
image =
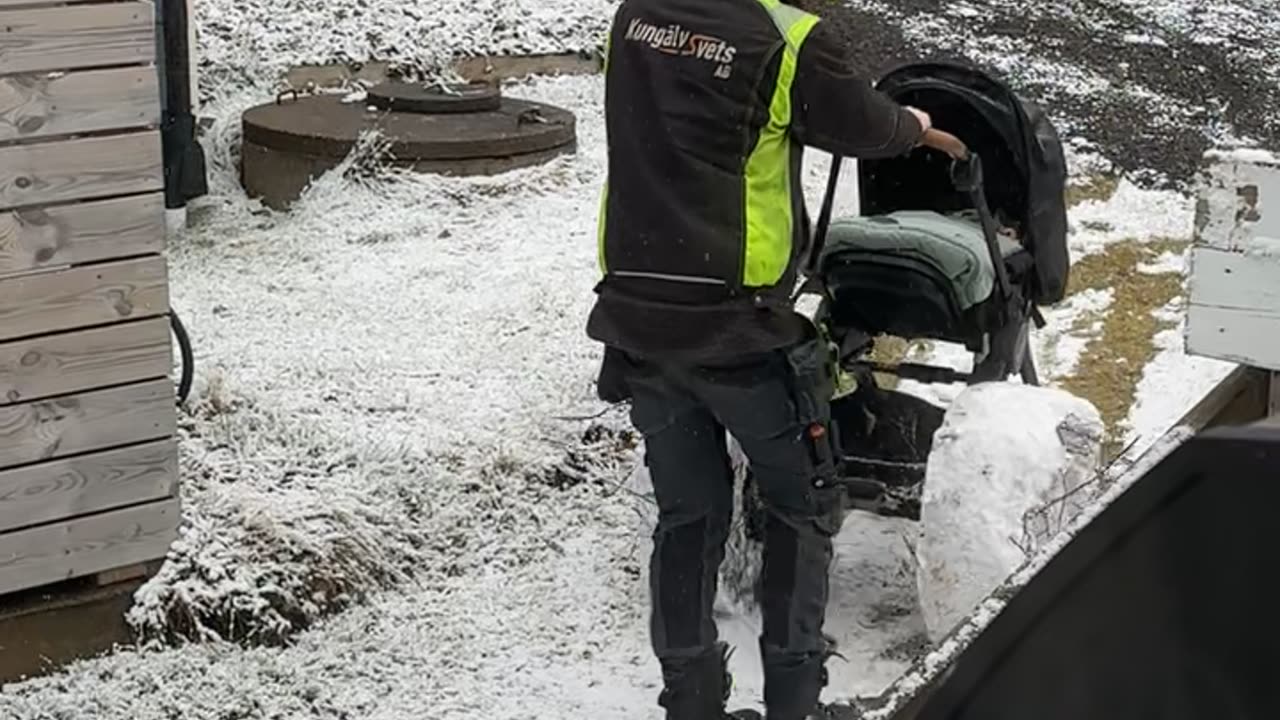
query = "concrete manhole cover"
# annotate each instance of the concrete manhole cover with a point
(408, 97)
(458, 130)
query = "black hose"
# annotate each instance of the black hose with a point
(187, 375)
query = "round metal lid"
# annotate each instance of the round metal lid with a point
(325, 125)
(419, 98)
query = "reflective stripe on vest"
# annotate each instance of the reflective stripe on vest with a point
(770, 222)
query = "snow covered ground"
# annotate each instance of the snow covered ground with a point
(390, 380)
(387, 375)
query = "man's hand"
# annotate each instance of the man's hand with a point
(926, 122)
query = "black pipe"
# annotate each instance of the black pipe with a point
(184, 162)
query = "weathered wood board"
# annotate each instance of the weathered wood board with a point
(1234, 299)
(87, 484)
(34, 3)
(81, 233)
(1234, 311)
(50, 553)
(86, 422)
(1239, 201)
(88, 457)
(76, 36)
(38, 105)
(77, 361)
(80, 169)
(1226, 279)
(83, 296)
(1233, 335)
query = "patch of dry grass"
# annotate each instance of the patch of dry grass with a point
(1112, 363)
(891, 350)
(1097, 187)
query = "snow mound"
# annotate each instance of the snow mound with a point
(1006, 474)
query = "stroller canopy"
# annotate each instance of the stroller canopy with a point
(1021, 155)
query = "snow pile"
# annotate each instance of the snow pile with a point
(1004, 476)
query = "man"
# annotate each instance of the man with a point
(703, 226)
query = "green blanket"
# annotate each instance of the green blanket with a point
(954, 245)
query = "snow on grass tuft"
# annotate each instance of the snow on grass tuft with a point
(282, 526)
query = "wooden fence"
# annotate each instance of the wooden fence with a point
(88, 458)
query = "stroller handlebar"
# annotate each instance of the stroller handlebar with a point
(947, 143)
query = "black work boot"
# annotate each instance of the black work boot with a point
(793, 685)
(697, 688)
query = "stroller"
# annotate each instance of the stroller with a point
(958, 241)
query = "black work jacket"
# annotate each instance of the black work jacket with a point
(708, 105)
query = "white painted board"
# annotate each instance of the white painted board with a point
(1234, 311)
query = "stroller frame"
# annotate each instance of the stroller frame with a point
(881, 438)
(1012, 340)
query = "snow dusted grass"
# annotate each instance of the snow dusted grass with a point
(385, 424)
(386, 373)
(243, 42)
(268, 545)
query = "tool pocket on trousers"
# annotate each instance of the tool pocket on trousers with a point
(812, 388)
(611, 383)
(651, 411)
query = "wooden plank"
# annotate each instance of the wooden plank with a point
(83, 296)
(43, 105)
(1234, 311)
(34, 3)
(1239, 336)
(80, 169)
(1239, 200)
(76, 36)
(81, 233)
(1225, 279)
(121, 575)
(97, 420)
(87, 484)
(51, 553)
(79, 361)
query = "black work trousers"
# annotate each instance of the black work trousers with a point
(777, 406)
